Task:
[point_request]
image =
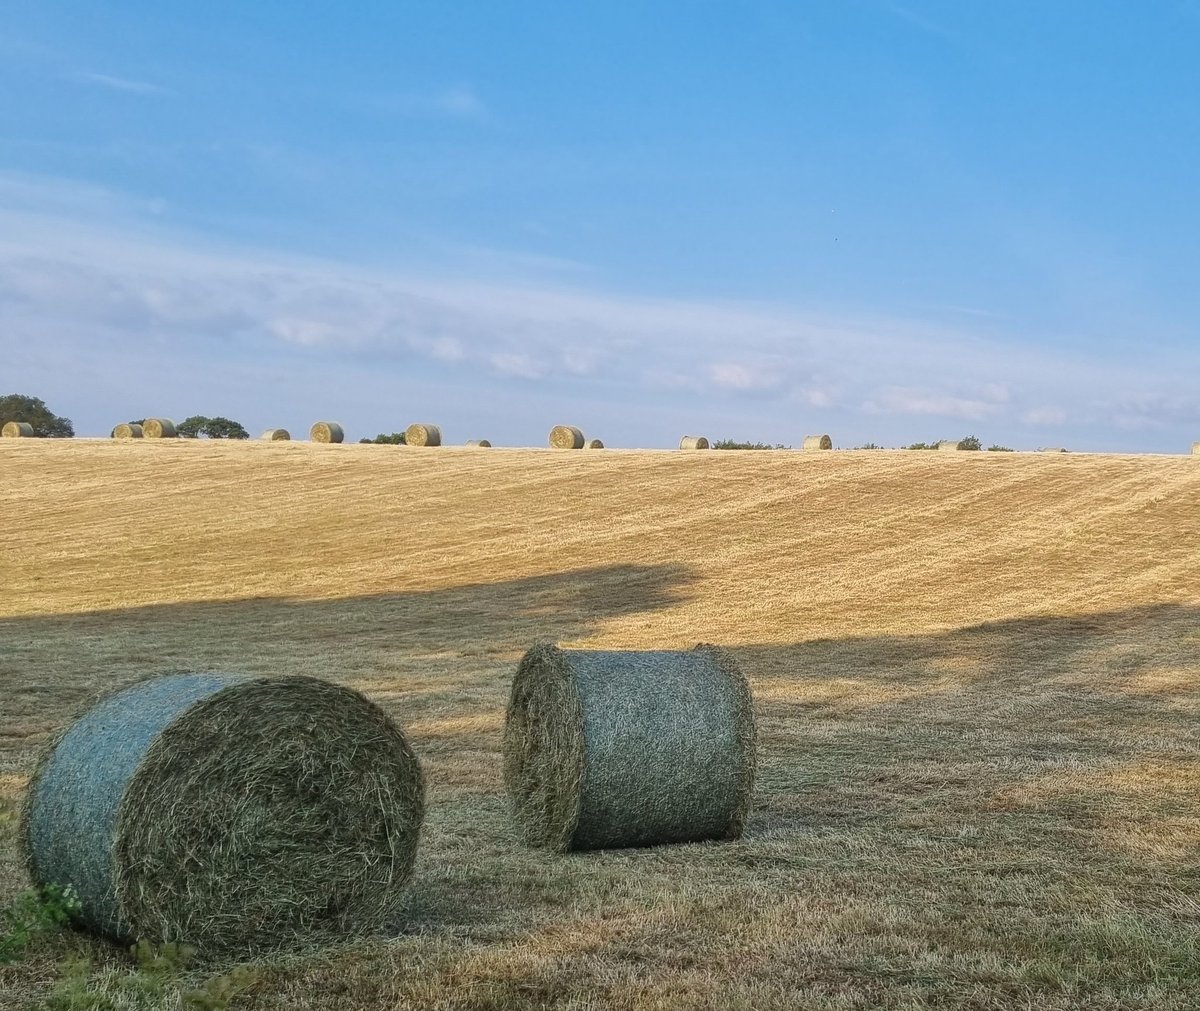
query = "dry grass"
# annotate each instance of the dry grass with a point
(975, 678)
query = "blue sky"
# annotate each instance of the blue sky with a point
(889, 221)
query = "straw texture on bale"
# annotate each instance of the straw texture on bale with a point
(612, 748)
(1196, 449)
(479, 443)
(326, 431)
(566, 437)
(130, 431)
(17, 430)
(423, 435)
(693, 442)
(594, 444)
(277, 435)
(948, 445)
(232, 813)
(158, 428)
(818, 442)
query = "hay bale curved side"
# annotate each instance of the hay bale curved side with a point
(159, 428)
(948, 445)
(17, 430)
(566, 437)
(423, 435)
(128, 431)
(156, 801)
(277, 435)
(594, 444)
(479, 443)
(817, 442)
(1196, 449)
(326, 432)
(693, 442)
(614, 748)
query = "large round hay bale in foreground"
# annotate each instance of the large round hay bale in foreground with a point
(817, 442)
(693, 442)
(129, 431)
(566, 437)
(606, 748)
(326, 431)
(232, 813)
(594, 444)
(17, 430)
(277, 435)
(423, 435)
(479, 443)
(948, 445)
(158, 428)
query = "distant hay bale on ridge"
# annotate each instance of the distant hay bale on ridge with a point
(619, 748)
(423, 435)
(948, 445)
(158, 428)
(129, 431)
(327, 432)
(1196, 449)
(232, 813)
(817, 442)
(277, 435)
(566, 437)
(594, 444)
(479, 443)
(693, 442)
(17, 430)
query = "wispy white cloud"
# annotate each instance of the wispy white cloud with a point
(916, 401)
(459, 101)
(126, 84)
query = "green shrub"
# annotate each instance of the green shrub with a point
(995, 448)
(32, 914)
(734, 444)
(395, 439)
(46, 424)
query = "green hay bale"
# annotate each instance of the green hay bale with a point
(817, 442)
(594, 444)
(693, 442)
(326, 431)
(423, 435)
(479, 443)
(232, 813)
(130, 431)
(277, 435)
(158, 428)
(610, 748)
(566, 437)
(17, 430)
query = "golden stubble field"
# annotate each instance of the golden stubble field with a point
(975, 677)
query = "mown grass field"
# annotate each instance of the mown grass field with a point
(976, 679)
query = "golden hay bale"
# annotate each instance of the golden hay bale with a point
(326, 431)
(1196, 449)
(479, 443)
(566, 437)
(615, 748)
(158, 428)
(948, 445)
(17, 430)
(594, 444)
(423, 435)
(234, 813)
(693, 442)
(128, 431)
(277, 435)
(817, 442)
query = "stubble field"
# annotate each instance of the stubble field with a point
(975, 679)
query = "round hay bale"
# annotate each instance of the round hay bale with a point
(594, 444)
(277, 435)
(423, 435)
(17, 430)
(326, 431)
(479, 443)
(693, 442)
(566, 437)
(129, 431)
(948, 446)
(817, 442)
(158, 428)
(228, 812)
(611, 748)
(1196, 449)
